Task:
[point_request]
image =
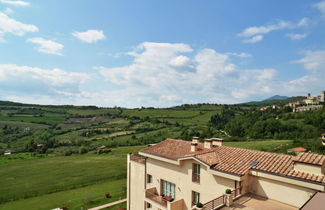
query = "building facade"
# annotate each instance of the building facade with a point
(177, 174)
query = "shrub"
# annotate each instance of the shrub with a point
(199, 205)
(228, 191)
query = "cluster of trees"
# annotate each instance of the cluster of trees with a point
(270, 124)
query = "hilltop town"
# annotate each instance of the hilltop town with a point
(307, 104)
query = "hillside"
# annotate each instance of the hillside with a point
(64, 130)
(60, 148)
(275, 100)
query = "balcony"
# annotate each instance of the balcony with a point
(152, 195)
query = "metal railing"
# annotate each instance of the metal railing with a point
(220, 201)
(236, 192)
(217, 202)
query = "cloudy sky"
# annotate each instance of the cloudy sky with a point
(159, 53)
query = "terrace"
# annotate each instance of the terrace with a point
(254, 202)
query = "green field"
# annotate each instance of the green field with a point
(60, 176)
(81, 198)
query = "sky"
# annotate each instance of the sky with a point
(159, 53)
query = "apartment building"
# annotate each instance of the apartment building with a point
(177, 174)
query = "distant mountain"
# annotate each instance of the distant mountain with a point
(276, 97)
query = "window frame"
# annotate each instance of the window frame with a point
(195, 197)
(168, 189)
(196, 172)
(149, 179)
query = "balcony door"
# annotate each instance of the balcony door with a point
(168, 189)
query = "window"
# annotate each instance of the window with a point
(149, 178)
(168, 189)
(195, 197)
(196, 173)
(148, 205)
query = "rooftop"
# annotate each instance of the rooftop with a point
(254, 202)
(239, 161)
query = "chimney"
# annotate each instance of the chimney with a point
(217, 142)
(193, 147)
(195, 140)
(208, 143)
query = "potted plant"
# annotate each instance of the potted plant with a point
(168, 198)
(229, 197)
(199, 205)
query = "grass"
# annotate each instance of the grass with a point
(30, 178)
(81, 198)
(23, 124)
(21, 157)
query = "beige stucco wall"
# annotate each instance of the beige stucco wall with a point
(283, 192)
(210, 186)
(314, 169)
(136, 184)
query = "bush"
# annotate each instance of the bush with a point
(83, 150)
(199, 205)
(228, 191)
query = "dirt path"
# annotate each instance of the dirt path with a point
(108, 204)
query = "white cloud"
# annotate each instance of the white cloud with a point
(296, 36)
(89, 36)
(254, 39)
(151, 80)
(241, 55)
(180, 61)
(12, 26)
(320, 6)
(8, 11)
(25, 81)
(47, 46)
(313, 60)
(15, 2)
(255, 32)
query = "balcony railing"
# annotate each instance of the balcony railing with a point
(217, 202)
(220, 201)
(153, 195)
(196, 178)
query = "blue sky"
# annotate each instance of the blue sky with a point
(159, 53)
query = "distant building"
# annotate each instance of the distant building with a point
(269, 107)
(8, 152)
(309, 104)
(297, 150)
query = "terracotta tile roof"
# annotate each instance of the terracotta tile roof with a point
(239, 161)
(298, 149)
(310, 158)
(174, 149)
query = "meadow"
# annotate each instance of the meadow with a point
(83, 177)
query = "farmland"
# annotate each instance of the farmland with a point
(47, 182)
(72, 155)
